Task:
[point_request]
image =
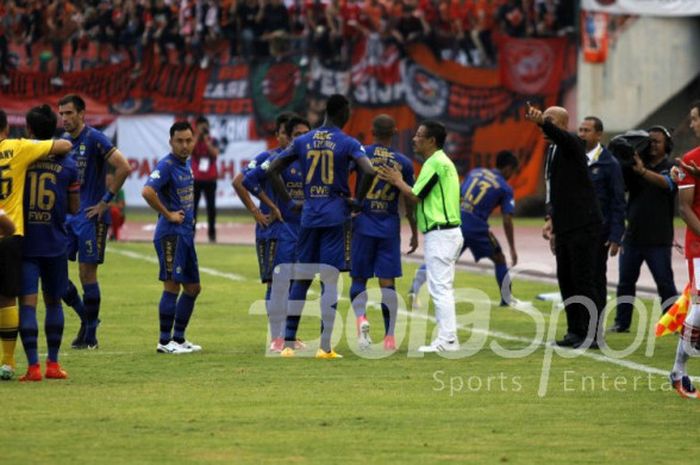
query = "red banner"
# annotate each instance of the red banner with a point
(532, 66)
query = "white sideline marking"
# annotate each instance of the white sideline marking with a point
(203, 269)
(495, 334)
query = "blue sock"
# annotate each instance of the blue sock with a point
(91, 298)
(501, 273)
(419, 279)
(53, 327)
(358, 297)
(297, 298)
(29, 331)
(166, 315)
(73, 300)
(329, 304)
(183, 312)
(389, 307)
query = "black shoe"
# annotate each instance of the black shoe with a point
(618, 329)
(79, 341)
(593, 345)
(569, 340)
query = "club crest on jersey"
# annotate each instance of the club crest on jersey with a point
(155, 174)
(82, 149)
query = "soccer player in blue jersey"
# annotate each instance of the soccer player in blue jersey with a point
(376, 235)
(282, 247)
(51, 191)
(325, 155)
(266, 219)
(92, 152)
(482, 191)
(170, 191)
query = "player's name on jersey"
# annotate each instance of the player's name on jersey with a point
(48, 165)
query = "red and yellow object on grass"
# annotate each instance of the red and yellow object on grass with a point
(672, 321)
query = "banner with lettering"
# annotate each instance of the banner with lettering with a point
(144, 139)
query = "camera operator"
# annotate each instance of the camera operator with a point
(649, 235)
(609, 185)
(204, 157)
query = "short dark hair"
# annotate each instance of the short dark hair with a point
(696, 105)
(200, 119)
(436, 130)
(383, 126)
(336, 106)
(180, 126)
(281, 120)
(3, 120)
(506, 158)
(42, 122)
(597, 123)
(75, 99)
(293, 122)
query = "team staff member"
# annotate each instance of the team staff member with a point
(609, 185)
(573, 223)
(436, 195)
(15, 157)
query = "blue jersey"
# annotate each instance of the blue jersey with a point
(173, 181)
(256, 181)
(482, 191)
(380, 208)
(91, 149)
(325, 155)
(46, 205)
(270, 231)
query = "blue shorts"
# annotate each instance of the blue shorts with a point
(87, 239)
(53, 272)
(481, 244)
(326, 246)
(375, 256)
(178, 259)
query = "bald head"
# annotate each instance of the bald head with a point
(383, 127)
(558, 116)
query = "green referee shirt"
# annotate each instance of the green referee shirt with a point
(438, 188)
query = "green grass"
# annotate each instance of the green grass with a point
(231, 404)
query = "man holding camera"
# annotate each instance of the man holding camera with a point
(204, 157)
(649, 236)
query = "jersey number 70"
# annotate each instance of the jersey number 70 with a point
(322, 159)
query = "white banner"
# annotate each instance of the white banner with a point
(144, 140)
(644, 7)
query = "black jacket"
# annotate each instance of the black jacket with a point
(609, 185)
(573, 203)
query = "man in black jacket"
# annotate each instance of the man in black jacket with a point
(609, 186)
(572, 224)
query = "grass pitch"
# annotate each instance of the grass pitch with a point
(125, 404)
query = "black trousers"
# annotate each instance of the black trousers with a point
(575, 253)
(209, 189)
(600, 277)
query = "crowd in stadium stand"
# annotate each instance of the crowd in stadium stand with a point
(197, 31)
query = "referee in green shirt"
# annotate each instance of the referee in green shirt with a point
(436, 195)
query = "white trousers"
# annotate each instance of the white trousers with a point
(442, 249)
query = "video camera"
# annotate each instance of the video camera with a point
(624, 146)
